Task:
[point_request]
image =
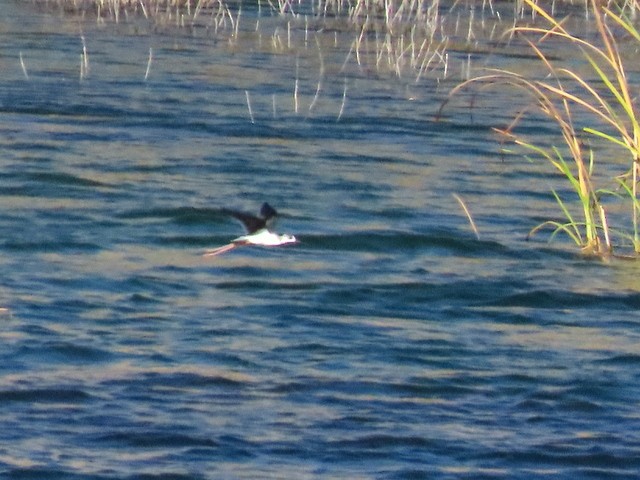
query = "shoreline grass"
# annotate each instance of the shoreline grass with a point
(612, 110)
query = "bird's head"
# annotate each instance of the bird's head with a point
(286, 238)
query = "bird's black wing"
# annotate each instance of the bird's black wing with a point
(268, 213)
(251, 223)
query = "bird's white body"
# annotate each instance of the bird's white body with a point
(265, 238)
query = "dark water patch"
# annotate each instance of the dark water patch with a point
(398, 241)
(36, 148)
(190, 380)
(36, 329)
(314, 348)
(443, 389)
(265, 285)
(38, 473)
(75, 352)
(68, 107)
(229, 359)
(625, 360)
(155, 439)
(425, 354)
(55, 185)
(179, 215)
(294, 128)
(367, 445)
(157, 284)
(523, 55)
(44, 395)
(81, 136)
(369, 126)
(63, 352)
(192, 241)
(231, 446)
(49, 245)
(587, 458)
(406, 299)
(596, 392)
(557, 405)
(144, 299)
(585, 406)
(567, 299)
(166, 476)
(371, 394)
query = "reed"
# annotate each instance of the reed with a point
(466, 211)
(84, 60)
(24, 67)
(612, 113)
(246, 94)
(344, 101)
(148, 70)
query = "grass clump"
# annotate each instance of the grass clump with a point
(604, 97)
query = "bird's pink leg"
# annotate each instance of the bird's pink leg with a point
(219, 250)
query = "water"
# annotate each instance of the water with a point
(390, 343)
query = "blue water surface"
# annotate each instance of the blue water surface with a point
(391, 342)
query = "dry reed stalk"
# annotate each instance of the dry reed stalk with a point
(246, 93)
(295, 87)
(344, 101)
(148, 70)
(468, 214)
(84, 60)
(24, 67)
(320, 77)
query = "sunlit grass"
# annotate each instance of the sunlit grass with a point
(611, 107)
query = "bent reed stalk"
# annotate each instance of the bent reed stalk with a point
(608, 102)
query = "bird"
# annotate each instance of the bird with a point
(258, 232)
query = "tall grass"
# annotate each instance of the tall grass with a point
(611, 111)
(408, 38)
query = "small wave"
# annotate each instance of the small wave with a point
(157, 439)
(38, 473)
(629, 360)
(567, 299)
(403, 241)
(180, 215)
(192, 380)
(64, 179)
(64, 352)
(267, 284)
(44, 395)
(48, 245)
(381, 442)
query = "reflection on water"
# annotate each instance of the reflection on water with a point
(389, 343)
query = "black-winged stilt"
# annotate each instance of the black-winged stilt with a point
(258, 232)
